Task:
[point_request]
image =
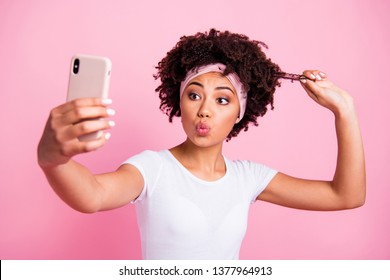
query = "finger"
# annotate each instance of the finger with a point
(310, 93)
(316, 79)
(84, 113)
(312, 88)
(82, 102)
(87, 127)
(97, 144)
(75, 147)
(315, 75)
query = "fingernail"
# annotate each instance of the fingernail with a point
(319, 77)
(312, 76)
(107, 135)
(106, 101)
(303, 80)
(110, 112)
(111, 123)
(322, 74)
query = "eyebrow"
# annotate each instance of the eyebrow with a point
(218, 88)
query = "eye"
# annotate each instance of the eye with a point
(222, 101)
(193, 96)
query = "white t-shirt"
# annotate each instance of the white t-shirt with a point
(183, 217)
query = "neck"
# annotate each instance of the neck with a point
(205, 162)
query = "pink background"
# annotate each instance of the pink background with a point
(349, 40)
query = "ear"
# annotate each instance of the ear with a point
(238, 120)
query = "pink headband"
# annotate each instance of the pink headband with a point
(220, 68)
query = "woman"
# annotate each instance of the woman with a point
(192, 202)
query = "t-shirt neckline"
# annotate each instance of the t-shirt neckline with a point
(181, 166)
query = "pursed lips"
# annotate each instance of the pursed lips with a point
(202, 128)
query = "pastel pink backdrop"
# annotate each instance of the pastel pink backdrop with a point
(349, 40)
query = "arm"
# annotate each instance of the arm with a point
(74, 183)
(348, 187)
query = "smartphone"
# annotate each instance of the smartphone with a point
(89, 77)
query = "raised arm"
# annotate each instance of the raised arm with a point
(73, 182)
(347, 189)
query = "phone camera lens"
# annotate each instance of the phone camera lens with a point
(76, 66)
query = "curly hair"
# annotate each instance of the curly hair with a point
(240, 55)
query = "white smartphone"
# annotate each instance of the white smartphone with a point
(89, 77)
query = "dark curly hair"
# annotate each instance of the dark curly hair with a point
(240, 55)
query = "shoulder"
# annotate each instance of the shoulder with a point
(259, 173)
(149, 165)
(145, 156)
(147, 162)
(247, 166)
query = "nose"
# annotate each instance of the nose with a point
(204, 110)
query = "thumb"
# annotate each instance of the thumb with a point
(312, 88)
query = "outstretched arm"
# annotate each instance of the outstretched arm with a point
(73, 182)
(348, 187)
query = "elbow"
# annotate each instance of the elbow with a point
(87, 211)
(89, 205)
(361, 202)
(361, 199)
(355, 204)
(355, 201)
(84, 208)
(88, 208)
(350, 196)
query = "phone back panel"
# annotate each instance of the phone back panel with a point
(92, 78)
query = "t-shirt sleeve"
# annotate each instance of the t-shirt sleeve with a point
(148, 164)
(260, 175)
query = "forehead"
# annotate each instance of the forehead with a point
(212, 78)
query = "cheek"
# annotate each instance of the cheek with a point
(184, 113)
(228, 124)
(230, 116)
(185, 118)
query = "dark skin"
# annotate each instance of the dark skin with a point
(200, 153)
(241, 55)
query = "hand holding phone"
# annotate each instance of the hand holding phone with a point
(89, 77)
(81, 118)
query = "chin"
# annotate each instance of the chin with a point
(205, 141)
